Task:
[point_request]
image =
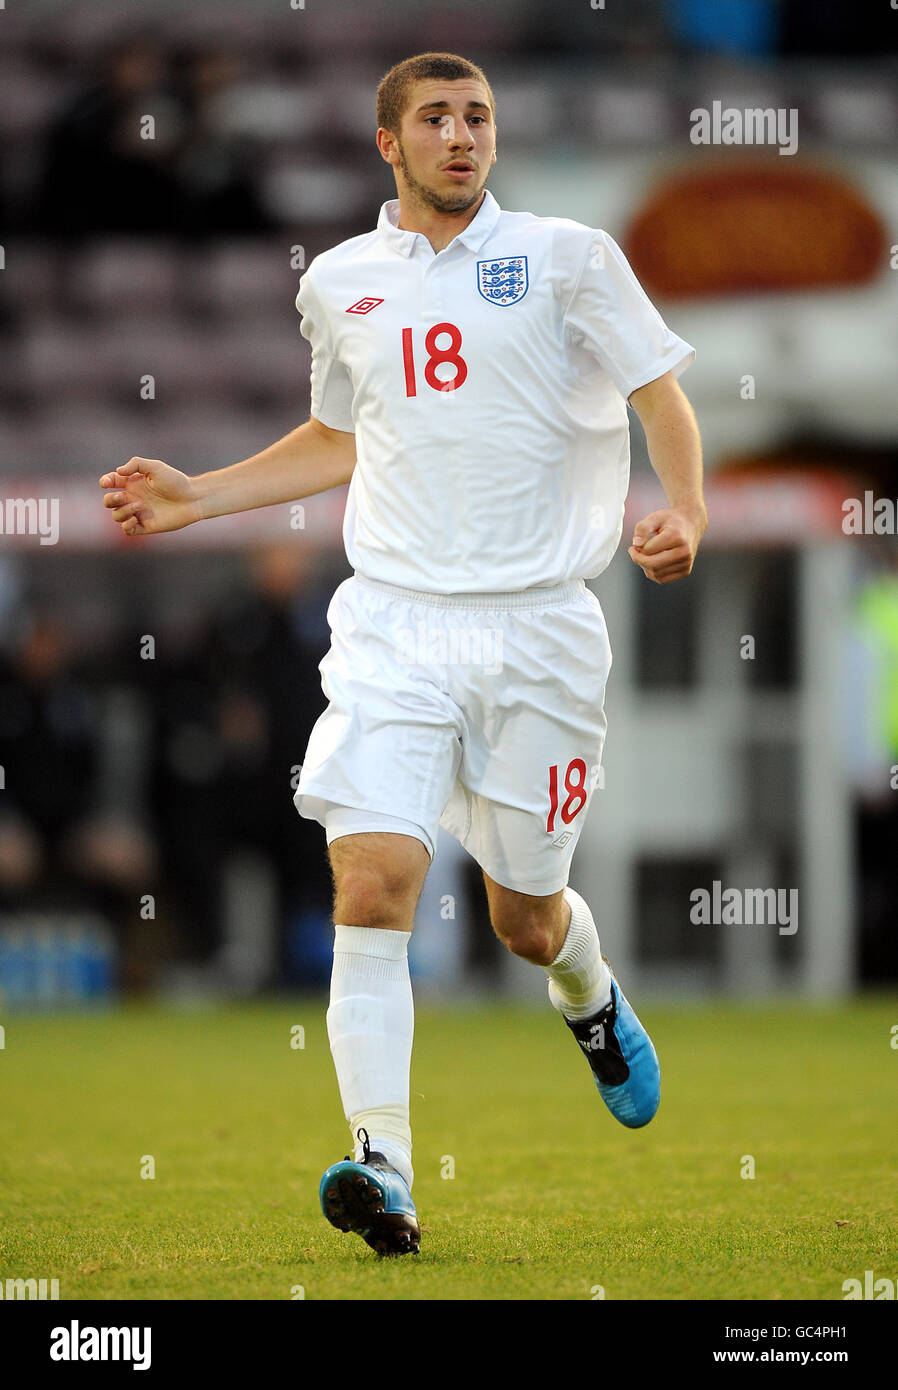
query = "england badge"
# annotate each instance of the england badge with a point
(504, 281)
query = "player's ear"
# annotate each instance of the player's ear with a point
(386, 143)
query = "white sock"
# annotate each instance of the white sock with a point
(579, 980)
(370, 1024)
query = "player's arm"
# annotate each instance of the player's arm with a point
(665, 542)
(147, 496)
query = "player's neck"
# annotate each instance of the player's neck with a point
(439, 227)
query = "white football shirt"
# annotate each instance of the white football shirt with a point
(486, 385)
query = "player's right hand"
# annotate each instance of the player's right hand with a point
(146, 496)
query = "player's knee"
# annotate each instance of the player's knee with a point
(374, 896)
(531, 939)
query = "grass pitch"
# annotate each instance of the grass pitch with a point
(550, 1198)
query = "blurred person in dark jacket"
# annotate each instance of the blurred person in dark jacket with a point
(100, 172)
(61, 848)
(214, 163)
(232, 719)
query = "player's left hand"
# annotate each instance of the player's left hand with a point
(665, 542)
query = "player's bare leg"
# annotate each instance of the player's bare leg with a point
(377, 882)
(531, 927)
(558, 933)
(378, 879)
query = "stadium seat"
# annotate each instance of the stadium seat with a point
(632, 114)
(197, 439)
(29, 95)
(267, 360)
(266, 109)
(526, 109)
(295, 189)
(58, 362)
(241, 278)
(35, 274)
(125, 274)
(82, 439)
(15, 450)
(185, 359)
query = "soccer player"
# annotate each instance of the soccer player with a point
(471, 370)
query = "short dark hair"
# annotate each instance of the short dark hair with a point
(393, 89)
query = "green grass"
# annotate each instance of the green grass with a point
(551, 1197)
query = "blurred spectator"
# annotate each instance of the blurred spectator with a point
(232, 720)
(215, 167)
(98, 174)
(49, 748)
(61, 849)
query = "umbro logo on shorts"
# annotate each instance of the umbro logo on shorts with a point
(364, 306)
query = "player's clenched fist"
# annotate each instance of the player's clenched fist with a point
(665, 542)
(146, 496)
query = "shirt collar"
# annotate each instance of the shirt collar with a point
(473, 236)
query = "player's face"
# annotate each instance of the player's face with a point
(447, 144)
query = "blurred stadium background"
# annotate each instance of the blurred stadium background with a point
(156, 697)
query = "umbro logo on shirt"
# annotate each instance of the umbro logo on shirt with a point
(364, 306)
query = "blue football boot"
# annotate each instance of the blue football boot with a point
(622, 1059)
(372, 1199)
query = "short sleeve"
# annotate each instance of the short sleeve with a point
(331, 383)
(610, 316)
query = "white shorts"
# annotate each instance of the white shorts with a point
(482, 713)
